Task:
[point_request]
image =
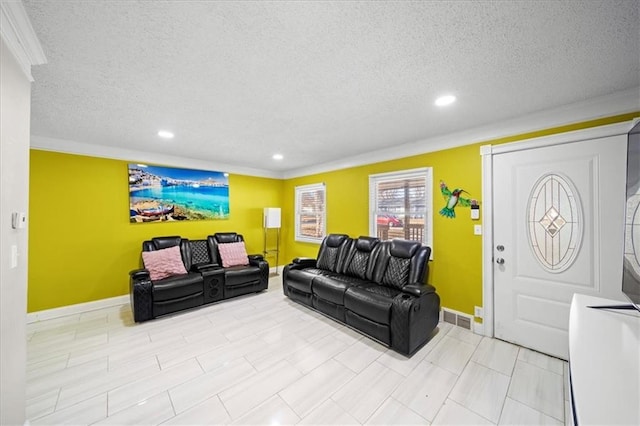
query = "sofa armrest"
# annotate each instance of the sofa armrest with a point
(140, 274)
(418, 289)
(256, 260)
(141, 295)
(255, 257)
(414, 315)
(304, 262)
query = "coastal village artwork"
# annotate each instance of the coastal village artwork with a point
(158, 194)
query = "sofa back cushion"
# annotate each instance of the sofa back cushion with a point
(199, 252)
(163, 263)
(160, 243)
(165, 242)
(221, 238)
(331, 254)
(233, 254)
(227, 237)
(357, 262)
(401, 262)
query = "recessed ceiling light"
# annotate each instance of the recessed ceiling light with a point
(277, 156)
(165, 134)
(141, 165)
(445, 100)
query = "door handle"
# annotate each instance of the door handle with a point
(500, 261)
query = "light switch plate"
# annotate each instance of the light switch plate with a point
(478, 312)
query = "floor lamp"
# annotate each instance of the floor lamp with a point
(272, 222)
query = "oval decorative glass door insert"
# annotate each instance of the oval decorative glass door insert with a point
(554, 222)
(632, 233)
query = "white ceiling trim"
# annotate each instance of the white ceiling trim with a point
(21, 39)
(605, 106)
(622, 102)
(615, 129)
(71, 147)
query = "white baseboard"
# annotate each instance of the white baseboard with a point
(92, 306)
(276, 270)
(76, 309)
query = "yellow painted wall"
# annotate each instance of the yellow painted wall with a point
(81, 244)
(456, 269)
(456, 266)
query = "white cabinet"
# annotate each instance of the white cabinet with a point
(604, 363)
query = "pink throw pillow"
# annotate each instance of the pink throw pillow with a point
(233, 254)
(163, 263)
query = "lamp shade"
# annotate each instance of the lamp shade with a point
(272, 217)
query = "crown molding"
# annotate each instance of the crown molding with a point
(72, 147)
(606, 106)
(622, 102)
(616, 129)
(18, 34)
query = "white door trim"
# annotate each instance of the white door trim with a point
(487, 152)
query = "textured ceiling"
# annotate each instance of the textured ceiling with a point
(315, 81)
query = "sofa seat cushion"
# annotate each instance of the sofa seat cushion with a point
(333, 287)
(372, 301)
(177, 286)
(241, 275)
(301, 279)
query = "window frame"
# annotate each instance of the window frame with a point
(299, 191)
(425, 173)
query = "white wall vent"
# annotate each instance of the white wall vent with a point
(457, 318)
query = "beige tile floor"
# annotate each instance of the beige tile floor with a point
(262, 359)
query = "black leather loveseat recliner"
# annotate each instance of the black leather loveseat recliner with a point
(205, 279)
(376, 287)
(239, 280)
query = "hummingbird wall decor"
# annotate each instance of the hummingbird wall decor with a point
(453, 199)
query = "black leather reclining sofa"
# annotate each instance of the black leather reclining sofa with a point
(206, 281)
(376, 287)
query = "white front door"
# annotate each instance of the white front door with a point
(558, 221)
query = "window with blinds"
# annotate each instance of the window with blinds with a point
(310, 213)
(401, 205)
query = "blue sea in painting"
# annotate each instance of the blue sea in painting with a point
(204, 198)
(164, 193)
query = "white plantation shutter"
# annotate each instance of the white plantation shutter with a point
(310, 213)
(400, 205)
